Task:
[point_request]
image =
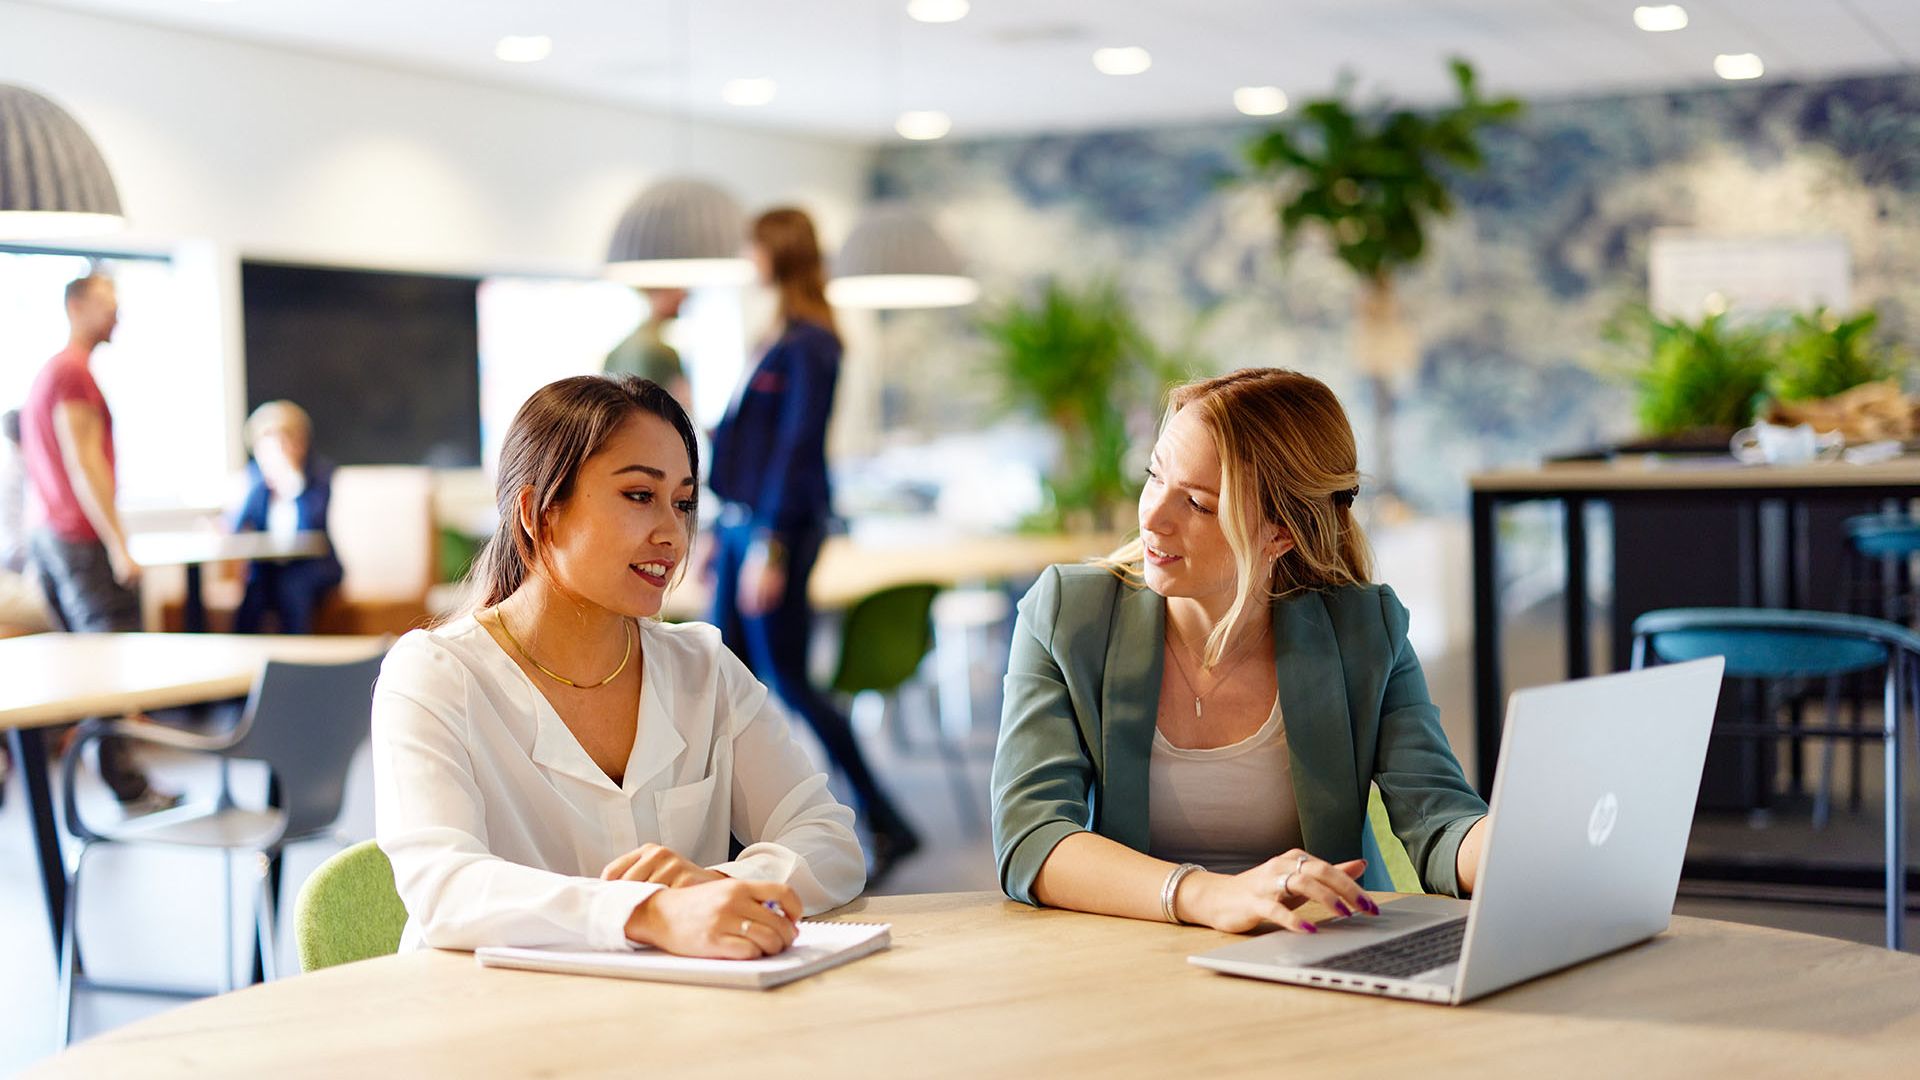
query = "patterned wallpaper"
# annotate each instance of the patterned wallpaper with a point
(1549, 241)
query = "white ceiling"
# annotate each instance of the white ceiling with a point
(846, 68)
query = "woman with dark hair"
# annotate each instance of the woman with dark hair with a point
(556, 766)
(770, 470)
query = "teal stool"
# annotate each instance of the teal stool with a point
(1761, 643)
(349, 909)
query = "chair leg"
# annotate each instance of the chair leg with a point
(228, 981)
(70, 955)
(266, 924)
(1896, 809)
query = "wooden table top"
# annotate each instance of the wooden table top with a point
(976, 985)
(1681, 473)
(194, 548)
(59, 678)
(848, 571)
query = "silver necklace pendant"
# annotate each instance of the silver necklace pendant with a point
(1196, 708)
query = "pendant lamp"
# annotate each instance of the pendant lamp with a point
(680, 233)
(896, 258)
(53, 181)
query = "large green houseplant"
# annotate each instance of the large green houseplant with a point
(1372, 180)
(1076, 359)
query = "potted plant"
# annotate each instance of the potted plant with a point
(1832, 372)
(1077, 360)
(1373, 180)
(1697, 380)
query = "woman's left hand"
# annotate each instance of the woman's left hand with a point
(660, 865)
(761, 585)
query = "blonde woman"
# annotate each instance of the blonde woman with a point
(1191, 726)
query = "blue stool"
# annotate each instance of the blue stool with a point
(1760, 643)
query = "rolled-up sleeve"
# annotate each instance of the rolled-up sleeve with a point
(1426, 794)
(800, 834)
(1042, 772)
(429, 818)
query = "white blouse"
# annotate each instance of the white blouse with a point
(1227, 808)
(498, 822)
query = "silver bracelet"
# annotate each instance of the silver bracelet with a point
(1173, 886)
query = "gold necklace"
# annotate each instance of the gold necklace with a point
(1245, 653)
(501, 618)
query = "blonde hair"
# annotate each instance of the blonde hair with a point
(1287, 458)
(278, 416)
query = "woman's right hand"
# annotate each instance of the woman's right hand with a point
(720, 920)
(1237, 903)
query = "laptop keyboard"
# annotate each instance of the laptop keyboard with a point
(1405, 956)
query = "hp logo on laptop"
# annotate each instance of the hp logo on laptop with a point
(1600, 823)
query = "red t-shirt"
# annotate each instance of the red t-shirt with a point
(64, 379)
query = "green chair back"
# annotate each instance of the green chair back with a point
(349, 910)
(883, 639)
(1392, 852)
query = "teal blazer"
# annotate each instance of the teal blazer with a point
(1083, 690)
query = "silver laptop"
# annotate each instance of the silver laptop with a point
(1592, 802)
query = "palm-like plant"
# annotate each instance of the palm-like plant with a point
(1078, 360)
(1822, 354)
(1373, 181)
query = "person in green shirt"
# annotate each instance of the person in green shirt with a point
(645, 352)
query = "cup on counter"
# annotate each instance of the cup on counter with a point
(1777, 444)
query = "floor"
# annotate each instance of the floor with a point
(157, 916)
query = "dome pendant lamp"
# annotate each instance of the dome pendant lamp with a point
(53, 181)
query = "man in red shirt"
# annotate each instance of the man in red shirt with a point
(75, 537)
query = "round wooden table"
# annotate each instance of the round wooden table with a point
(978, 986)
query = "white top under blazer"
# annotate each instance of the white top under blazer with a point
(498, 822)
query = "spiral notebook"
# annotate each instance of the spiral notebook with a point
(821, 945)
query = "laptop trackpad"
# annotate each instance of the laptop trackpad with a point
(1343, 935)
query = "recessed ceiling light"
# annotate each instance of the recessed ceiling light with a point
(1660, 18)
(1738, 66)
(923, 125)
(1260, 100)
(1130, 60)
(938, 11)
(526, 49)
(747, 91)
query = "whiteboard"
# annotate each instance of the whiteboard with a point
(1691, 274)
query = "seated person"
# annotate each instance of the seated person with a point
(287, 493)
(556, 766)
(1191, 726)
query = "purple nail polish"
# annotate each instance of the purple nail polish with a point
(1309, 928)
(1342, 908)
(1370, 905)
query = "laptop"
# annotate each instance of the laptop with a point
(1592, 803)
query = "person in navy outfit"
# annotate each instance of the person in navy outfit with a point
(770, 472)
(287, 493)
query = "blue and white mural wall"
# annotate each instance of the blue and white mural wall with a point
(1550, 240)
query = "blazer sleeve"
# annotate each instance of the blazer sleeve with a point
(1043, 775)
(798, 833)
(1426, 794)
(430, 819)
(313, 501)
(806, 405)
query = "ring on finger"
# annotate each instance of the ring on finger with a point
(745, 926)
(1286, 880)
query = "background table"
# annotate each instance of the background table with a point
(978, 986)
(54, 679)
(192, 550)
(849, 570)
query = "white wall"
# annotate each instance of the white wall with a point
(245, 150)
(291, 155)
